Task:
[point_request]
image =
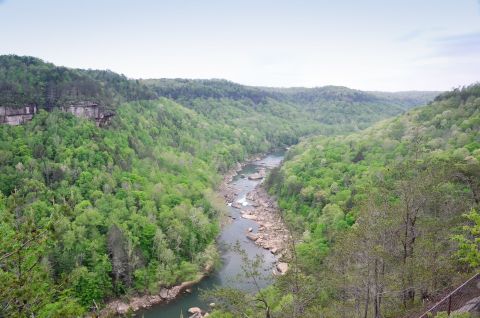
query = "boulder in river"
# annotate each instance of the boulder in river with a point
(255, 176)
(252, 236)
(164, 293)
(249, 217)
(282, 268)
(194, 310)
(122, 308)
(237, 205)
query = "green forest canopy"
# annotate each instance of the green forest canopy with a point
(88, 213)
(378, 213)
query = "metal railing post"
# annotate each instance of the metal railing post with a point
(449, 305)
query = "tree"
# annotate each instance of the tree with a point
(469, 240)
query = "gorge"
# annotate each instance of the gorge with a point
(100, 210)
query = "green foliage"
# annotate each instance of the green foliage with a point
(27, 80)
(469, 242)
(65, 306)
(89, 213)
(281, 112)
(220, 314)
(91, 286)
(322, 172)
(133, 206)
(375, 211)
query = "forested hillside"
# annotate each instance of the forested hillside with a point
(325, 110)
(26, 80)
(378, 215)
(88, 214)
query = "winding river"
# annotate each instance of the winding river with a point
(235, 231)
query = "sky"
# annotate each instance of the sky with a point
(389, 45)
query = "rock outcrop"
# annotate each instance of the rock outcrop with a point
(89, 110)
(17, 116)
(20, 115)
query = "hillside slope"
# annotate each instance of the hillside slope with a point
(375, 211)
(26, 80)
(325, 110)
(89, 213)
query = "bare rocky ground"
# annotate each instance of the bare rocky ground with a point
(272, 234)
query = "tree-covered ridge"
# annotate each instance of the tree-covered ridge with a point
(408, 99)
(448, 125)
(216, 88)
(27, 80)
(376, 211)
(326, 110)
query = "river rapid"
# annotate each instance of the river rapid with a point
(236, 230)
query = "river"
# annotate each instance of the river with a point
(232, 232)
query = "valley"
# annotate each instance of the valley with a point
(235, 230)
(119, 195)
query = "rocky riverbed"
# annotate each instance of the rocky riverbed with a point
(272, 234)
(263, 209)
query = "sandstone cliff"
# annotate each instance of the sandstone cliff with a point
(16, 116)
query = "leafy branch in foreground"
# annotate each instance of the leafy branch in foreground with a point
(242, 303)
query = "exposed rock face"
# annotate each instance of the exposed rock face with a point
(17, 116)
(89, 110)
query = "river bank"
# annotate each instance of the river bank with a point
(272, 233)
(252, 202)
(121, 307)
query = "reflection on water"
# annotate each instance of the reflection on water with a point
(227, 275)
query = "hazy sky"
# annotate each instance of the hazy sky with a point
(364, 44)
